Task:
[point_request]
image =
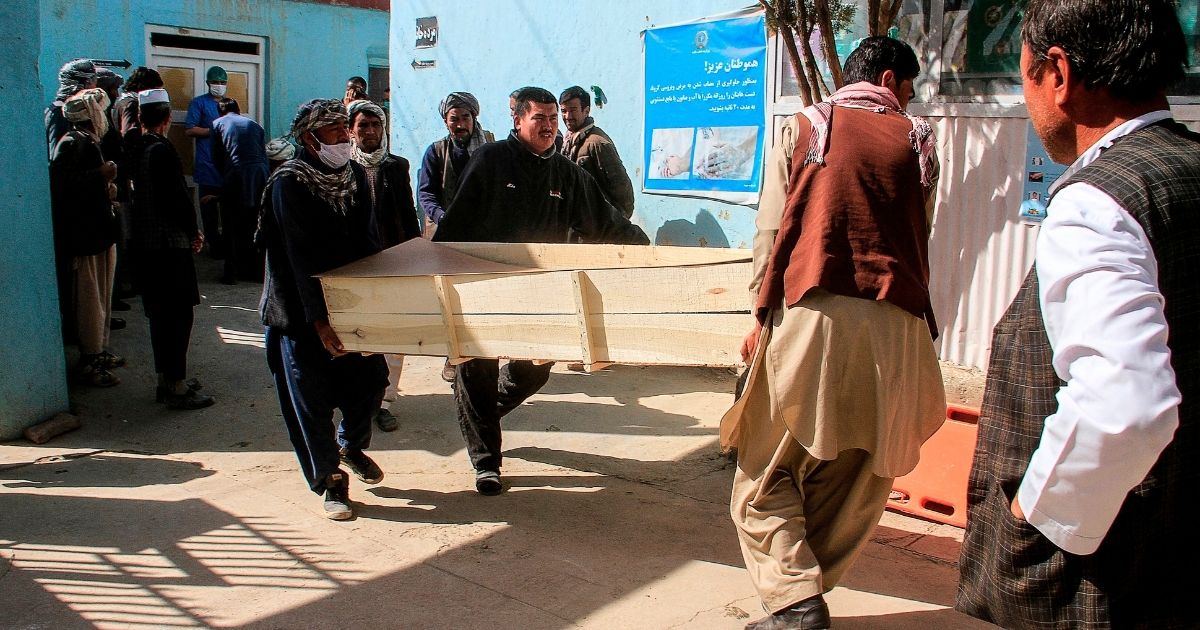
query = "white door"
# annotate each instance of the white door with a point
(183, 72)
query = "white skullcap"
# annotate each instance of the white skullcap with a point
(157, 95)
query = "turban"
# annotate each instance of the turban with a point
(88, 106)
(74, 76)
(318, 113)
(455, 100)
(106, 79)
(280, 150)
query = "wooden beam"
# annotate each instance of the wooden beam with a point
(580, 284)
(454, 350)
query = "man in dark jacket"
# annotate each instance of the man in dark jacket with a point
(239, 155)
(520, 190)
(86, 230)
(444, 161)
(395, 212)
(319, 217)
(588, 146)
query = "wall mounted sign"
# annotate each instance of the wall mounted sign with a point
(427, 32)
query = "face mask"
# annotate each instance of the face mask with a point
(335, 155)
(217, 90)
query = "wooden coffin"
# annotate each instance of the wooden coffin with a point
(597, 304)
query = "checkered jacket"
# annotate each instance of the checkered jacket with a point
(1146, 571)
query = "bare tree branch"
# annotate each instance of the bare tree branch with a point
(824, 22)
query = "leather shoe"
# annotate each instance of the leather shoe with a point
(809, 614)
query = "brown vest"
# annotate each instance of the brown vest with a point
(856, 225)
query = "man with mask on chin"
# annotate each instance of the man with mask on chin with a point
(202, 111)
(521, 190)
(317, 216)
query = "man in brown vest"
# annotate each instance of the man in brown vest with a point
(844, 385)
(1082, 504)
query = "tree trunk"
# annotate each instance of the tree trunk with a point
(805, 28)
(824, 22)
(881, 15)
(789, 43)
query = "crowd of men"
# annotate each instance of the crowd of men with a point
(1079, 507)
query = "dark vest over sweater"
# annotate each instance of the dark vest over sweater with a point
(1144, 573)
(856, 225)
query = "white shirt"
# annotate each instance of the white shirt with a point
(1104, 317)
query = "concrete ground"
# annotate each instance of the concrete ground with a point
(616, 517)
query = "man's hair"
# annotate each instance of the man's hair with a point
(153, 114)
(530, 94)
(227, 105)
(573, 92)
(358, 80)
(1134, 48)
(879, 53)
(142, 79)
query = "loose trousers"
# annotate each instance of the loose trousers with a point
(93, 282)
(801, 521)
(311, 384)
(484, 394)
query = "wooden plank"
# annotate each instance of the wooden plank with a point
(582, 307)
(444, 295)
(704, 289)
(560, 256)
(376, 332)
(415, 294)
(634, 339)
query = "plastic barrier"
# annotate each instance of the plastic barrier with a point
(937, 488)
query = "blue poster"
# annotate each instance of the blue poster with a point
(1040, 173)
(706, 95)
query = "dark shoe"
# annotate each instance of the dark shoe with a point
(93, 371)
(111, 361)
(448, 372)
(116, 323)
(386, 421)
(191, 400)
(161, 393)
(121, 305)
(487, 483)
(362, 466)
(810, 614)
(337, 497)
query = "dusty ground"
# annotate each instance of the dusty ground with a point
(617, 514)
(964, 385)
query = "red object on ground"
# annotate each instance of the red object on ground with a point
(937, 488)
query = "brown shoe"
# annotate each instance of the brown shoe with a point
(809, 614)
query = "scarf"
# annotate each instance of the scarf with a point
(374, 158)
(865, 95)
(89, 106)
(73, 76)
(336, 188)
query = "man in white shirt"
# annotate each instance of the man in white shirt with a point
(1082, 498)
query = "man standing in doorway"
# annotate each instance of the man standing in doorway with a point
(588, 146)
(844, 384)
(319, 218)
(520, 191)
(1081, 506)
(395, 213)
(202, 111)
(239, 155)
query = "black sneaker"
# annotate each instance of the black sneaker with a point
(337, 497)
(386, 421)
(487, 483)
(190, 400)
(161, 393)
(362, 466)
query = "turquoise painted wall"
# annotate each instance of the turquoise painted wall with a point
(491, 48)
(33, 381)
(312, 48)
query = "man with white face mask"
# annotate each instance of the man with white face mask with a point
(202, 111)
(317, 216)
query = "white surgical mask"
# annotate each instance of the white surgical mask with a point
(335, 155)
(217, 90)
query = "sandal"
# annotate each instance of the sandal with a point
(111, 361)
(93, 372)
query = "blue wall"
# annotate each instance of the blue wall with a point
(491, 48)
(312, 48)
(33, 382)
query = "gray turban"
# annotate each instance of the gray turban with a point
(73, 76)
(363, 105)
(455, 100)
(318, 113)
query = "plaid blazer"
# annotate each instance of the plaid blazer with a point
(1146, 571)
